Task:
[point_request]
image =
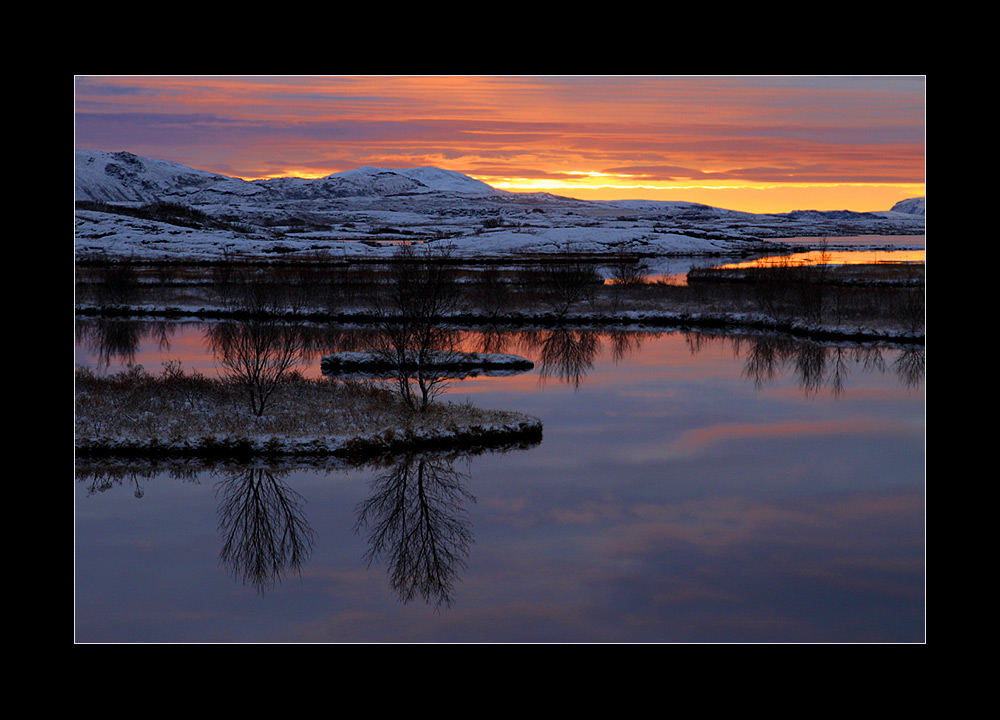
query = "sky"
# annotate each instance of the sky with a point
(752, 143)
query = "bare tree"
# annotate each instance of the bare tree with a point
(491, 291)
(258, 354)
(117, 282)
(417, 293)
(629, 269)
(261, 348)
(561, 284)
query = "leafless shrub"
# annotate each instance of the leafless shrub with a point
(561, 284)
(417, 293)
(258, 354)
(629, 269)
(117, 282)
(491, 291)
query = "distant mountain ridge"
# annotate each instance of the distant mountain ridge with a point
(124, 177)
(124, 208)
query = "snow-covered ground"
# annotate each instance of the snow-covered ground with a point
(363, 212)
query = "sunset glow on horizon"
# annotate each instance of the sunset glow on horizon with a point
(751, 143)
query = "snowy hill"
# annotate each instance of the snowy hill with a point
(124, 177)
(913, 206)
(363, 211)
(383, 181)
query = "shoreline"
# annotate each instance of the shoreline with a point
(637, 319)
(520, 431)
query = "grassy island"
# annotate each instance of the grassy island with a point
(180, 414)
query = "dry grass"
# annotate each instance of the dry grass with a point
(179, 407)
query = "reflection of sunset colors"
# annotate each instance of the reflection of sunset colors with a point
(693, 441)
(760, 144)
(834, 257)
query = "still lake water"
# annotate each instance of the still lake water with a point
(689, 488)
(837, 250)
(686, 490)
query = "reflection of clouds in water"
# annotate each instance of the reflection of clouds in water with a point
(700, 441)
(572, 356)
(590, 512)
(721, 568)
(692, 442)
(709, 523)
(772, 563)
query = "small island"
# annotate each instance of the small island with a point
(179, 414)
(449, 362)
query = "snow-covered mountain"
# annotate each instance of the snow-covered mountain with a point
(124, 177)
(914, 206)
(356, 211)
(382, 181)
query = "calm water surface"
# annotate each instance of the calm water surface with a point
(689, 488)
(837, 251)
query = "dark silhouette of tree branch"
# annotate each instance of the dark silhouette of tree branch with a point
(417, 293)
(417, 524)
(266, 533)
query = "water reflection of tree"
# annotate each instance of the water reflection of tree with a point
(626, 342)
(415, 518)
(417, 524)
(113, 339)
(493, 339)
(814, 364)
(810, 363)
(264, 528)
(569, 353)
(262, 521)
(909, 366)
(102, 477)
